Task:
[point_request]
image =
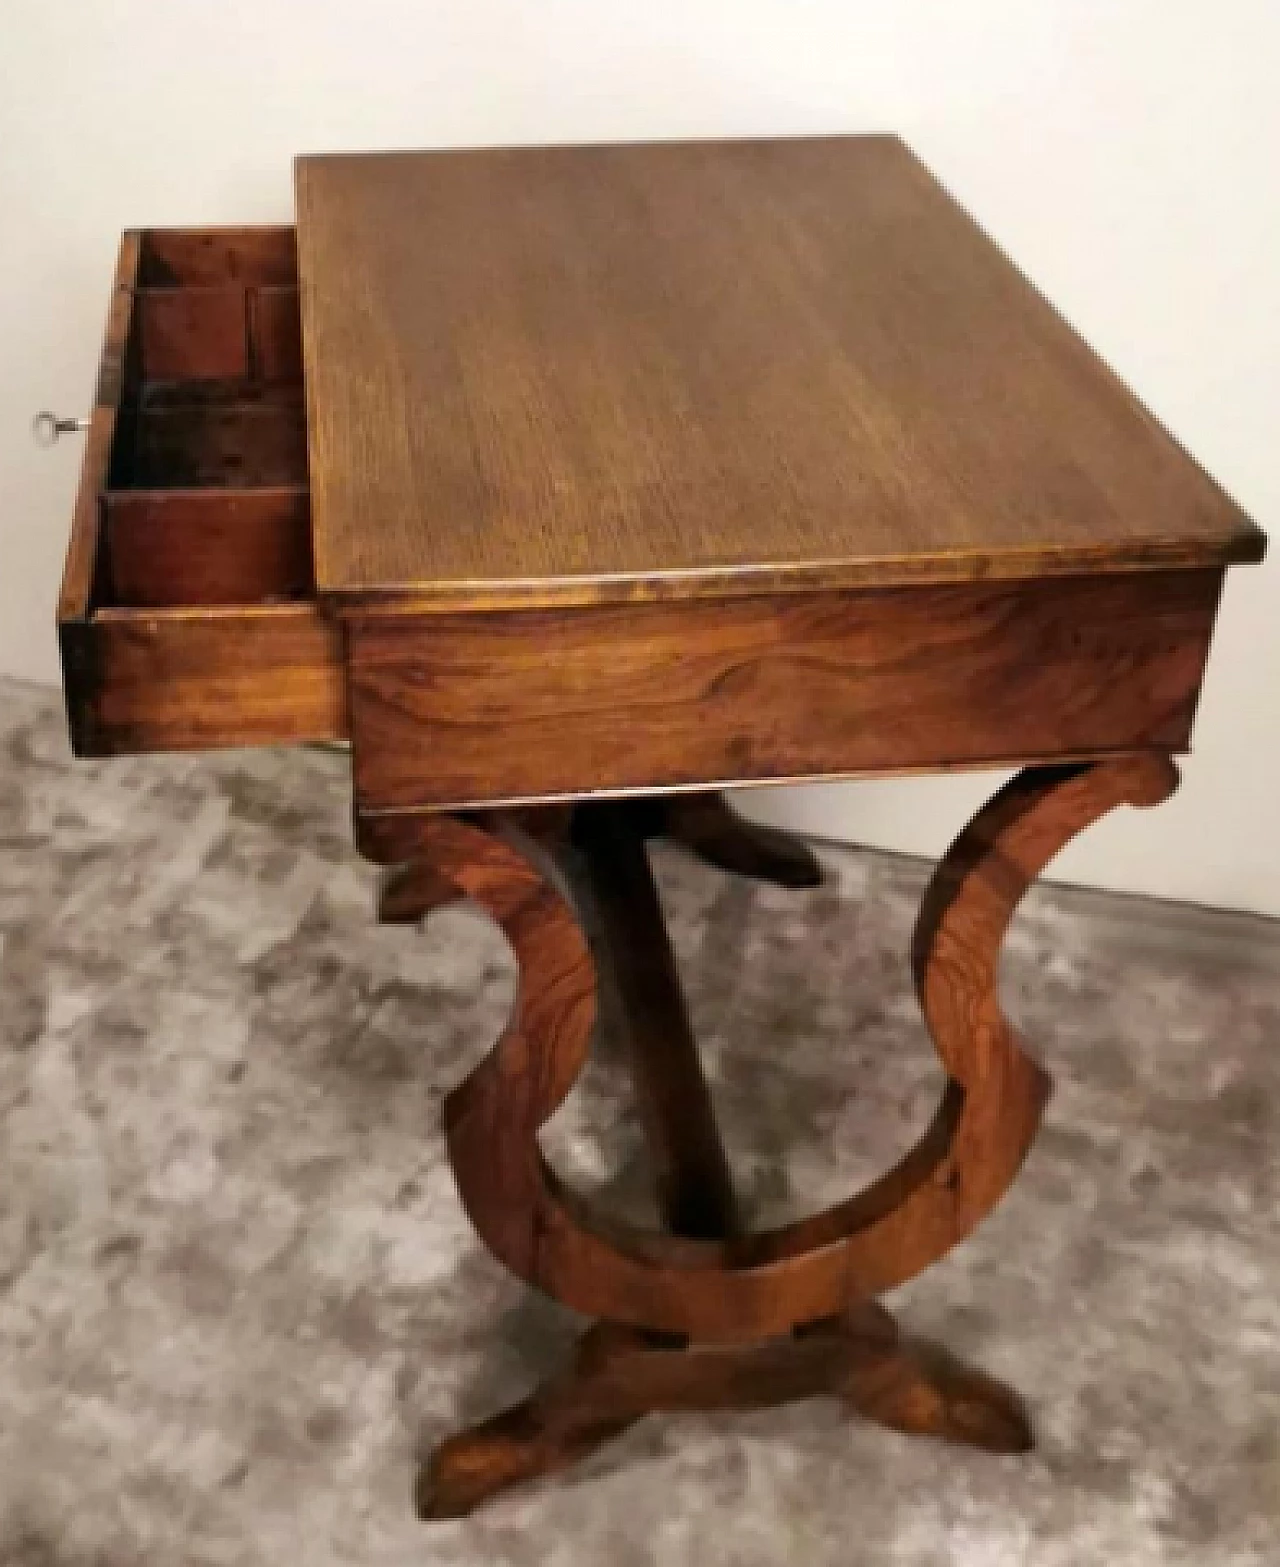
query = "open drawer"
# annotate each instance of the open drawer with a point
(187, 617)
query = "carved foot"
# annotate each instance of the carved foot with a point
(565, 1420)
(923, 1390)
(619, 1375)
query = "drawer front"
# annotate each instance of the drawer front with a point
(187, 617)
(195, 681)
(449, 711)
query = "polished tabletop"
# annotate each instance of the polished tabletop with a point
(556, 376)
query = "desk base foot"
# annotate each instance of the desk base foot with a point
(619, 1375)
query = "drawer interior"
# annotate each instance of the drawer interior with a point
(206, 499)
(187, 617)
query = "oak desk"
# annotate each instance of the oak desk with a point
(569, 485)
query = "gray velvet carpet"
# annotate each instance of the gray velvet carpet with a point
(237, 1292)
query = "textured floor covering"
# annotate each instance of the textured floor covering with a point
(237, 1292)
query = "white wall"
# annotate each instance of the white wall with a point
(1125, 151)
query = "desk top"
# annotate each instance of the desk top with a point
(558, 376)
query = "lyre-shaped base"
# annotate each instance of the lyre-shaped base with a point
(705, 1316)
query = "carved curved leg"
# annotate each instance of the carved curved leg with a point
(697, 1322)
(409, 900)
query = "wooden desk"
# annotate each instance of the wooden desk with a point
(621, 475)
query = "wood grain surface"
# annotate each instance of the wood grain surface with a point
(469, 709)
(567, 375)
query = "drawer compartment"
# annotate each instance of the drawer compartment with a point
(187, 617)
